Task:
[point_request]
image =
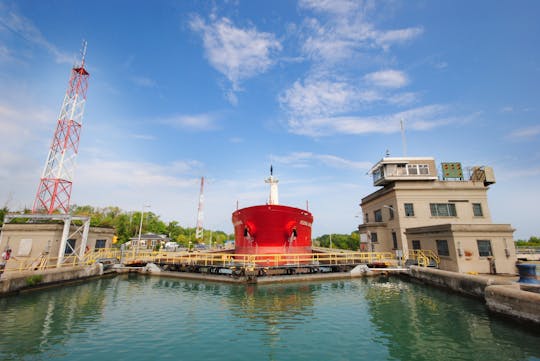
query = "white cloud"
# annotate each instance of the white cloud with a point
(236, 140)
(340, 36)
(403, 98)
(26, 133)
(337, 7)
(347, 31)
(302, 159)
(29, 32)
(318, 97)
(143, 81)
(387, 78)
(421, 118)
(389, 37)
(196, 122)
(235, 52)
(136, 175)
(524, 133)
(5, 54)
(143, 136)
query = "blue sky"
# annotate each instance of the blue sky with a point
(184, 89)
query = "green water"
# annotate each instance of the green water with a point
(142, 318)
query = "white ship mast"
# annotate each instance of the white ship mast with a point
(273, 188)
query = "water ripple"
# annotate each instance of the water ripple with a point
(141, 318)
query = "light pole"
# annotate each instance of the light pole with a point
(140, 229)
(392, 210)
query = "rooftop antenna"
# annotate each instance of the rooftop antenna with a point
(403, 140)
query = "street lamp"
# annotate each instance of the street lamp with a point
(392, 210)
(140, 228)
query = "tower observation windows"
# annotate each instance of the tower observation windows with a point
(443, 209)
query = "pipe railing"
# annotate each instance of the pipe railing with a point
(214, 259)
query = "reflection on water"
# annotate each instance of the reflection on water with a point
(140, 318)
(433, 324)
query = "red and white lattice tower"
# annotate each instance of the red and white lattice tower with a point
(199, 230)
(54, 190)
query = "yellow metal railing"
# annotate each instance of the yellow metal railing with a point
(259, 260)
(221, 259)
(424, 256)
(45, 261)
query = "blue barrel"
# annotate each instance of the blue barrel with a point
(527, 273)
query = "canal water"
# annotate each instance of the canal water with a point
(134, 317)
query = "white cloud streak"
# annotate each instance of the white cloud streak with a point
(315, 98)
(303, 159)
(387, 78)
(421, 118)
(526, 133)
(347, 31)
(143, 81)
(194, 122)
(29, 32)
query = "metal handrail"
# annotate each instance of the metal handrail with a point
(422, 254)
(527, 250)
(259, 260)
(214, 259)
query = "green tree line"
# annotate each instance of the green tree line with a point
(532, 242)
(342, 241)
(127, 223)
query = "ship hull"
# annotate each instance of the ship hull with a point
(272, 229)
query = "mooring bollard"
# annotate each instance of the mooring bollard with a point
(527, 273)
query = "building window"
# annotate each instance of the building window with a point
(70, 246)
(100, 243)
(443, 209)
(477, 210)
(409, 210)
(414, 169)
(484, 248)
(390, 212)
(378, 215)
(416, 244)
(442, 247)
(394, 240)
(374, 238)
(378, 174)
(367, 217)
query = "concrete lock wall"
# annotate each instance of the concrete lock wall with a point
(16, 281)
(514, 302)
(462, 283)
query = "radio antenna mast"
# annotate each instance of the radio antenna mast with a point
(403, 140)
(199, 230)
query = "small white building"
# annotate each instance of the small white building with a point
(149, 241)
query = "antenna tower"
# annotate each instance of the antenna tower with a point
(403, 139)
(199, 230)
(56, 181)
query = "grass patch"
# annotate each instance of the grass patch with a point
(34, 280)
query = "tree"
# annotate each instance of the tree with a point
(340, 241)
